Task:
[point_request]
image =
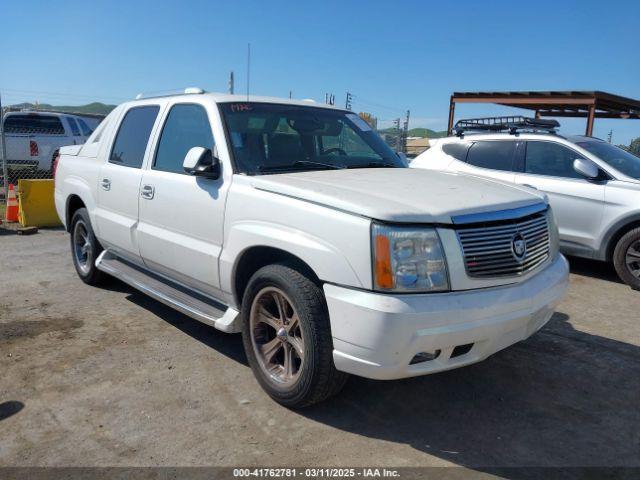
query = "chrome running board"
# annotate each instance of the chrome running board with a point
(175, 296)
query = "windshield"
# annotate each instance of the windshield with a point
(272, 138)
(620, 159)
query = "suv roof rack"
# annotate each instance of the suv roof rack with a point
(189, 90)
(512, 124)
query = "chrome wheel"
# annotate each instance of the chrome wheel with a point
(82, 249)
(632, 259)
(276, 336)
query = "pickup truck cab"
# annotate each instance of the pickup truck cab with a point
(293, 223)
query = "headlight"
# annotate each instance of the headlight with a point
(554, 236)
(408, 259)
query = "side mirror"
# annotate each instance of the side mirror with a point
(200, 162)
(586, 168)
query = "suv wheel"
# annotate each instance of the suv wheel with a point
(287, 337)
(85, 248)
(626, 258)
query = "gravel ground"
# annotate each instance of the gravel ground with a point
(109, 377)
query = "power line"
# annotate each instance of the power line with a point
(375, 104)
(15, 91)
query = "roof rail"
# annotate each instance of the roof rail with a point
(186, 91)
(512, 124)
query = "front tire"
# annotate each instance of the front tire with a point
(287, 337)
(85, 248)
(626, 258)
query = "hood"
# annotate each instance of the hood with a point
(404, 195)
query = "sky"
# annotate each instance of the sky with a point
(392, 56)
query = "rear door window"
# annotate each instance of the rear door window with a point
(86, 131)
(133, 136)
(495, 155)
(33, 125)
(75, 130)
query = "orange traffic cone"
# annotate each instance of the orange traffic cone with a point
(12, 205)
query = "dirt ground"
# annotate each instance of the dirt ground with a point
(108, 377)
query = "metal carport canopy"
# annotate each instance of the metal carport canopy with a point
(577, 104)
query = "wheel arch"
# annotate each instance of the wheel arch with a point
(615, 233)
(254, 258)
(74, 203)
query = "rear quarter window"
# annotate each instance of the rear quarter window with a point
(456, 150)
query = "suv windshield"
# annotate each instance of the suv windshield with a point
(272, 138)
(620, 159)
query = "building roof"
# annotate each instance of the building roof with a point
(587, 104)
(559, 103)
(418, 142)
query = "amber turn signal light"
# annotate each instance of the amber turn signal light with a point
(383, 275)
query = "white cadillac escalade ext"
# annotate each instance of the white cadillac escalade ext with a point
(295, 224)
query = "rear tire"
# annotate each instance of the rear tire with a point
(85, 248)
(287, 337)
(626, 258)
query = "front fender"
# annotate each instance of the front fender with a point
(328, 262)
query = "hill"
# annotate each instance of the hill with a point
(426, 132)
(418, 132)
(91, 108)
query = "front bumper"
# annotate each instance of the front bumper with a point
(377, 335)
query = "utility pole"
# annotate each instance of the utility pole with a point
(3, 152)
(231, 83)
(610, 136)
(290, 94)
(347, 104)
(248, 68)
(406, 132)
(396, 125)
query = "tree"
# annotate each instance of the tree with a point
(634, 146)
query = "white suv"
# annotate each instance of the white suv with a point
(295, 224)
(593, 186)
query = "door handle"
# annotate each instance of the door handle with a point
(147, 192)
(527, 185)
(106, 184)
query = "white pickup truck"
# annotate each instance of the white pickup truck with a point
(293, 223)
(33, 138)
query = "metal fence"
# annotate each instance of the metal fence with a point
(28, 146)
(30, 139)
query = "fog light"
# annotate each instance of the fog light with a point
(424, 357)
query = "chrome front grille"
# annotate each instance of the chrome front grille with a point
(493, 249)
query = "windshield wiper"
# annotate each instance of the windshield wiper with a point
(299, 163)
(375, 165)
(319, 164)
